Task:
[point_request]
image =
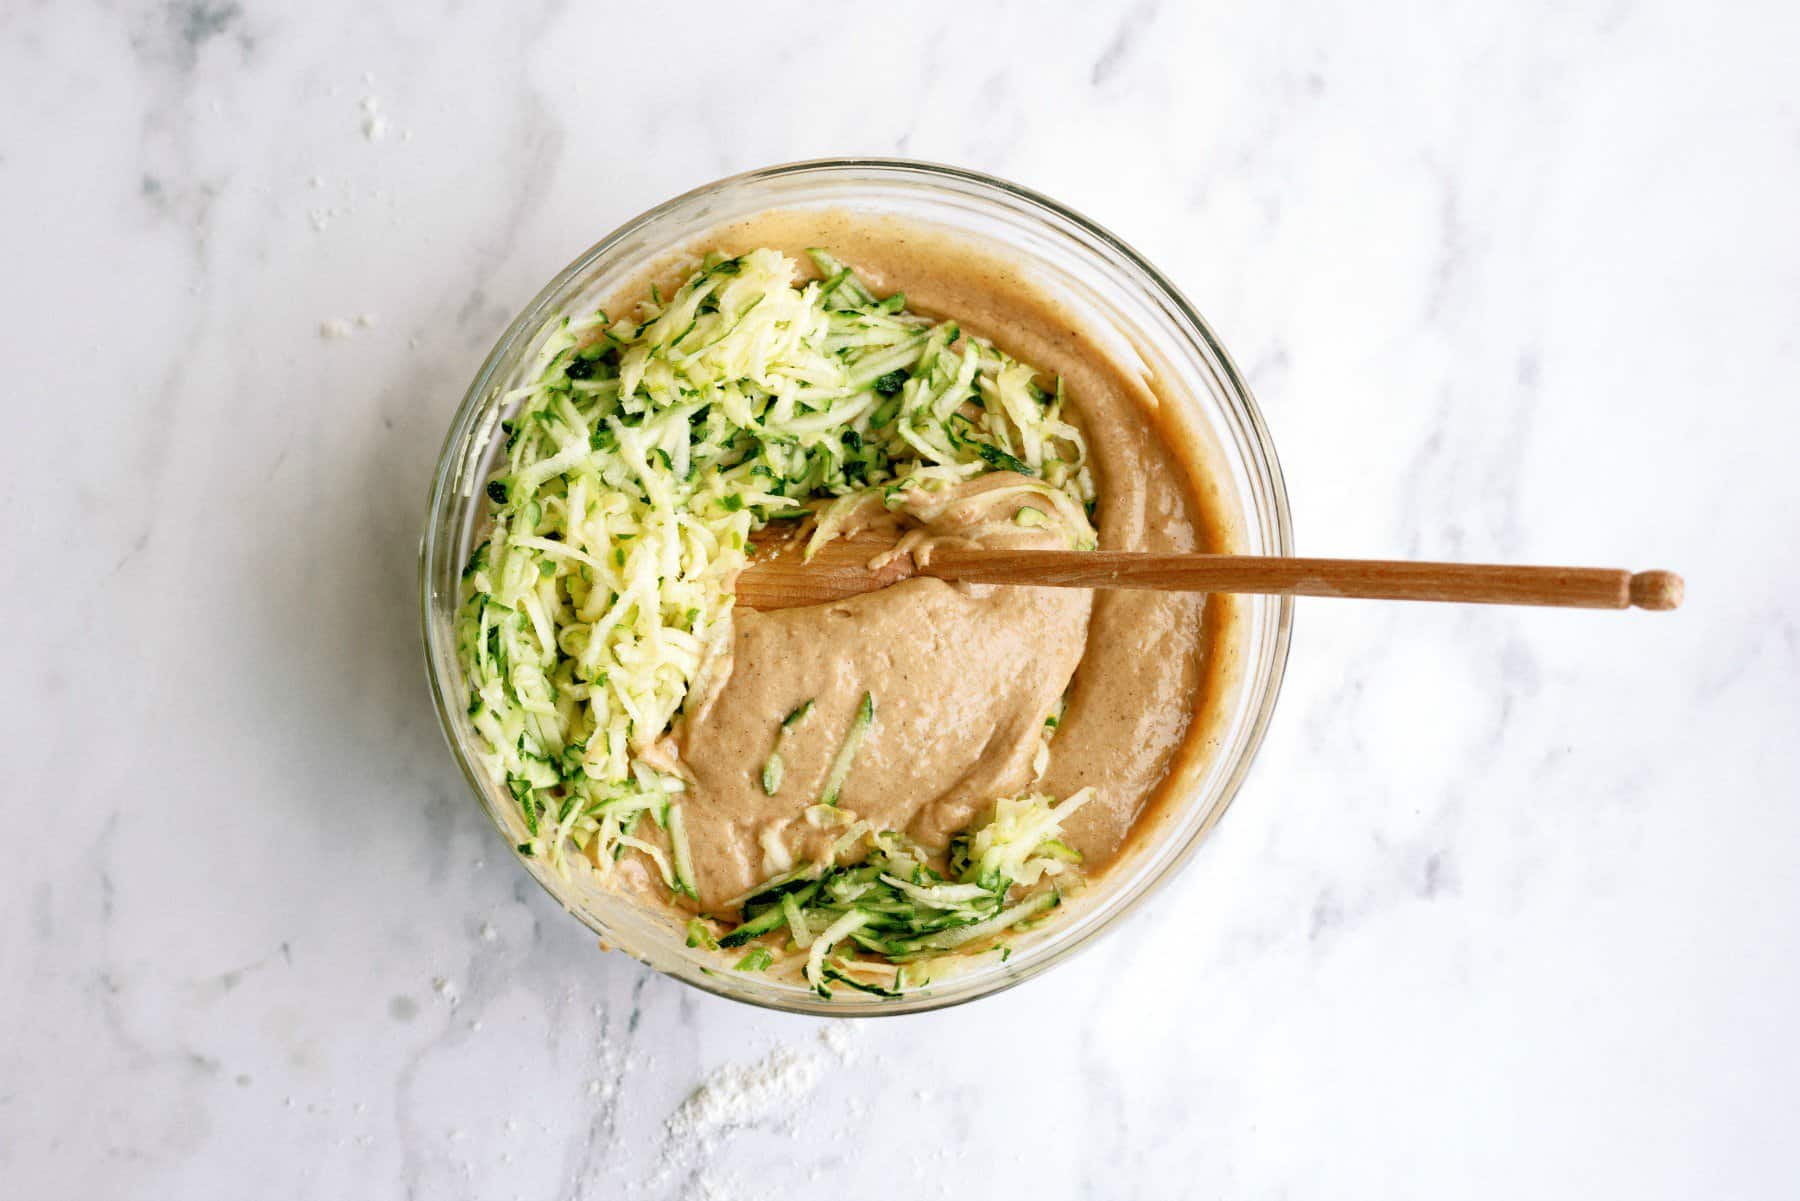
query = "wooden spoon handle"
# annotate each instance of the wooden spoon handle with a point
(779, 577)
(1375, 579)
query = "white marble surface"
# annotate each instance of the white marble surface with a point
(1508, 906)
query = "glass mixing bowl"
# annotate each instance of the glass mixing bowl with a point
(1117, 293)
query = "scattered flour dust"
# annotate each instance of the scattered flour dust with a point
(839, 1041)
(335, 329)
(744, 1094)
(374, 121)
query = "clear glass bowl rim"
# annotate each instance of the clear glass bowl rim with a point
(1189, 323)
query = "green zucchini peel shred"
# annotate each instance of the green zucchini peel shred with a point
(846, 756)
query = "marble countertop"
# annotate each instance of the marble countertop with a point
(1508, 905)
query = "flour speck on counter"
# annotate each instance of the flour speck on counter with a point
(374, 121)
(336, 329)
(741, 1095)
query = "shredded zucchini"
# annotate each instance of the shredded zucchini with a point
(756, 961)
(895, 907)
(846, 756)
(774, 767)
(772, 772)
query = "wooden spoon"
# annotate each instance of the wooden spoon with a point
(780, 578)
